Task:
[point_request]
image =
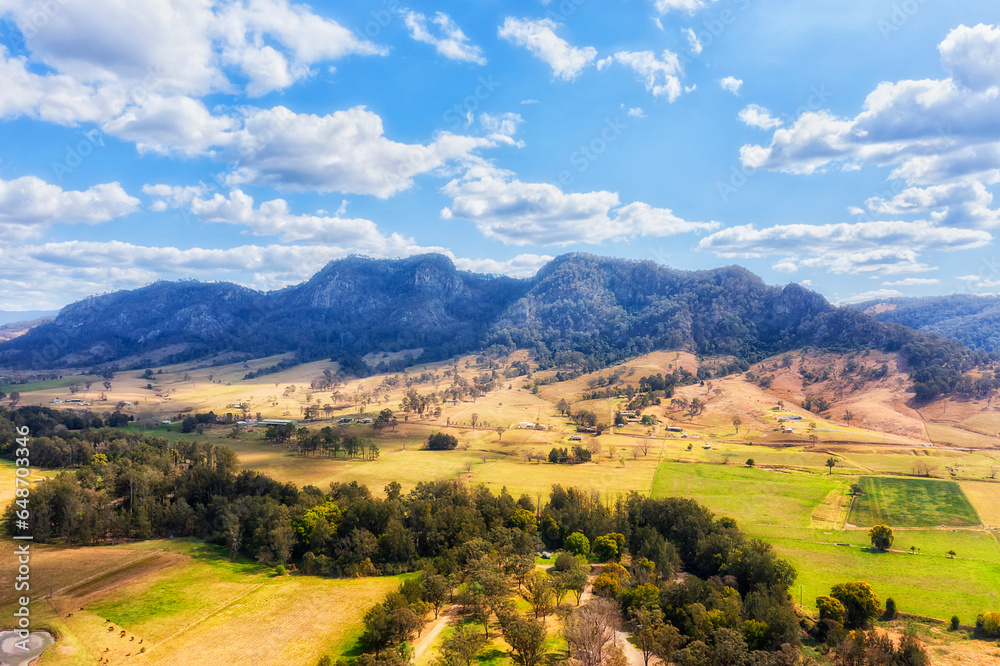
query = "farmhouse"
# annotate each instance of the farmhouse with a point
(674, 429)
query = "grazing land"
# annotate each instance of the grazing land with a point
(790, 497)
(912, 503)
(183, 602)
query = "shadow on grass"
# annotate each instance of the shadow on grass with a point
(491, 656)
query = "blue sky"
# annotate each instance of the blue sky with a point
(850, 146)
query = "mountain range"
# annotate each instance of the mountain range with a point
(972, 319)
(603, 308)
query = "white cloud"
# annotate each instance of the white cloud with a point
(540, 38)
(29, 205)
(637, 112)
(54, 274)
(757, 116)
(503, 125)
(689, 6)
(450, 41)
(930, 131)
(911, 282)
(731, 84)
(272, 218)
(972, 56)
(968, 278)
(172, 125)
(962, 203)
(55, 98)
(871, 296)
(345, 151)
(660, 75)
(694, 44)
(785, 265)
(185, 47)
(864, 247)
(523, 265)
(517, 213)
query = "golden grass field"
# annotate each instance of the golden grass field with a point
(185, 603)
(790, 499)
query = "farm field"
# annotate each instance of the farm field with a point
(751, 496)
(186, 603)
(925, 584)
(503, 467)
(803, 516)
(985, 498)
(911, 503)
(789, 498)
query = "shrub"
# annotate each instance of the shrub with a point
(990, 625)
(577, 544)
(609, 547)
(280, 570)
(859, 601)
(830, 609)
(890, 609)
(564, 561)
(954, 623)
(440, 441)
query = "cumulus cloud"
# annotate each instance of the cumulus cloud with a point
(517, 213)
(29, 205)
(523, 265)
(186, 47)
(689, 6)
(445, 36)
(911, 282)
(962, 203)
(731, 84)
(540, 38)
(757, 116)
(501, 125)
(53, 274)
(694, 44)
(871, 296)
(660, 74)
(172, 125)
(273, 218)
(972, 56)
(54, 98)
(636, 112)
(930, 130)
(864, 247)
(345, 151)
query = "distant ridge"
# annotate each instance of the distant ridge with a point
(972, 319)
(602, 309)
(24, 316)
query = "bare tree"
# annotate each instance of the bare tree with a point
(737, 422)
(590, 631)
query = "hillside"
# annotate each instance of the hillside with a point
(600, 309)
(971, 319)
